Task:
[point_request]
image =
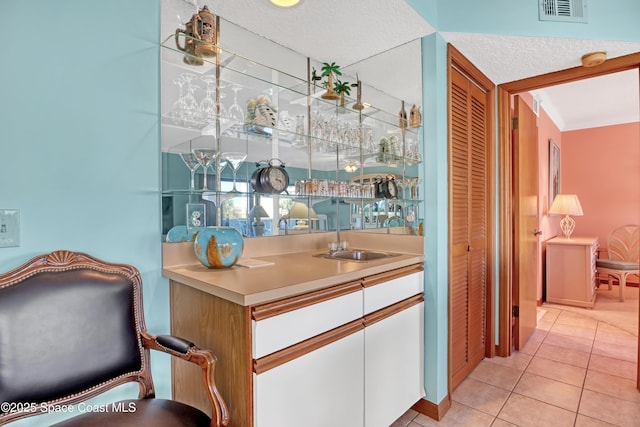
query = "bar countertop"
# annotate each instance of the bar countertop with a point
(290, 274)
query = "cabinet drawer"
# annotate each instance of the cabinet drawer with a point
(283, 323)
(388, 288)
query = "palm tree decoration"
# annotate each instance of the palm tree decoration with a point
(328, 71)
(341, 88)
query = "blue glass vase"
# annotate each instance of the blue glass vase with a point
(218, 247)
(180, 233)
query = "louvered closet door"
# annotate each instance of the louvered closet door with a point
(468, 225)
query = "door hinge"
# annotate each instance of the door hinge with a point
(515, 311)
(514, 123)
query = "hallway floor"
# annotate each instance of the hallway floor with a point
(575, 370)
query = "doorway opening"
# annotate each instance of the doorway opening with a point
(505, 175)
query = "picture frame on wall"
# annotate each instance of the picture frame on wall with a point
(554, 171)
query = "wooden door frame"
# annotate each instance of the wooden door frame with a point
(505, 173)
(457, 59)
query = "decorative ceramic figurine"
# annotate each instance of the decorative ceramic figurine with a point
(218, 247)
(415, 117)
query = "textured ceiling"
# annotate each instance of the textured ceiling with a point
(338, 31)
(353, 32)
(508, 58)
(601, 101)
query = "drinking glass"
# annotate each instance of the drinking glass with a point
(208, 103)
(415, 186)
(178, 105)
(235, 110)
(234, 158)
(404, 184)
(192, 163)
(298, 139)
(190, 105)
(202, 149)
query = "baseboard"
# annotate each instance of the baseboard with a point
(432, 410)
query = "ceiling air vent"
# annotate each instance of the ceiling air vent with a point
(563, 10)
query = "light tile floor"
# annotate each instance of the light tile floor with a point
(574, 371)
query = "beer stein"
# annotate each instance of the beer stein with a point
(201, 37)
(189, 47)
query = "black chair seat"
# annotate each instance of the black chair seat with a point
(143, 412)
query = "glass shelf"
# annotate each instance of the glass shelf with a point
(284, 118)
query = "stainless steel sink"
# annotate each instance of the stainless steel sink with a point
(357, 255)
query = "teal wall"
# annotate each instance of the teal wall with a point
(79, 140)
(435, 177)
(79, 137)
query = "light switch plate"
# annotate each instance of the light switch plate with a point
(9, 228)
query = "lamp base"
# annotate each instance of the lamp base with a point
(258, 228)
(567, 224)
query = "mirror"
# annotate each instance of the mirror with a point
(247, 121)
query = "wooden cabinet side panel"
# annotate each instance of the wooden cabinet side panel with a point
(223, 327)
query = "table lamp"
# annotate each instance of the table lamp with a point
(256, 213)
(300, 212)
(566, 204)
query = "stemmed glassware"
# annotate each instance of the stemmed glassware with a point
(189, 104)
(208, 103)
(192, 163)
(179, 105)
(235, 112)
(415, 186)
(202, 149)
(234, 158)
(404, 186)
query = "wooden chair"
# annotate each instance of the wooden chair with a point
(71, 328)
(623, 247)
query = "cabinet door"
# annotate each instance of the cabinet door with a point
(394, 365)
(322, 388)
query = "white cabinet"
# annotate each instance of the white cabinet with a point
(322, 388)
(394, 364)
(350, 355)
(359, 353)
(571, 270)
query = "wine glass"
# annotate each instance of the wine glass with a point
(192, 163)
(179, 105)
(415, 187)
(235, 110)
(202, 149)
(189, 103)
(208, 103)
(234, 158)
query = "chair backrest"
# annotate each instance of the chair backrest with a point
(623, 244)
(70, 329)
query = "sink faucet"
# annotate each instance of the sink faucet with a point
(284, 220)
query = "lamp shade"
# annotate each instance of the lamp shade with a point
(566, 204)
(300, 211)
(258, 212)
